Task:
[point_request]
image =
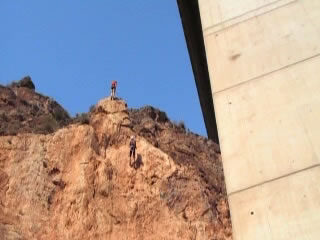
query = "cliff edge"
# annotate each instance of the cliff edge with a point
(77, 182)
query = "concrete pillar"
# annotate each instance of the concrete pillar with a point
(264, 65)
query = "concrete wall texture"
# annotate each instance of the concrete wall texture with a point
(264, 65)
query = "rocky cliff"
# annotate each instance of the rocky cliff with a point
(23, 110)
(78, 183)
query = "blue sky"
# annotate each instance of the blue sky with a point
(73, 49)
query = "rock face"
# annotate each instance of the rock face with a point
(78, 182)
(24, 110)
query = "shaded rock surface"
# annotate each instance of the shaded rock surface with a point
(22, 110)
(78, 182)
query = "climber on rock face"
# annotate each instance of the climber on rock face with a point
(113, 89)
(133, 147)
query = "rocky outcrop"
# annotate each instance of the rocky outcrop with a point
(22, 110)
(78, 182)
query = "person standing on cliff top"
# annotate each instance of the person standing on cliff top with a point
(133, 147)
(113, 89)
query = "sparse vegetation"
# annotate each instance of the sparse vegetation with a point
(182, 125)
(47, 124)
(179, 125)
(4, 117)
(82, 118)
(162, 117)
(24, 82)
(92, 108)
(60, 114)
(24, 102)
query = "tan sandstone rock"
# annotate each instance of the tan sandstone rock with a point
(77, 183)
